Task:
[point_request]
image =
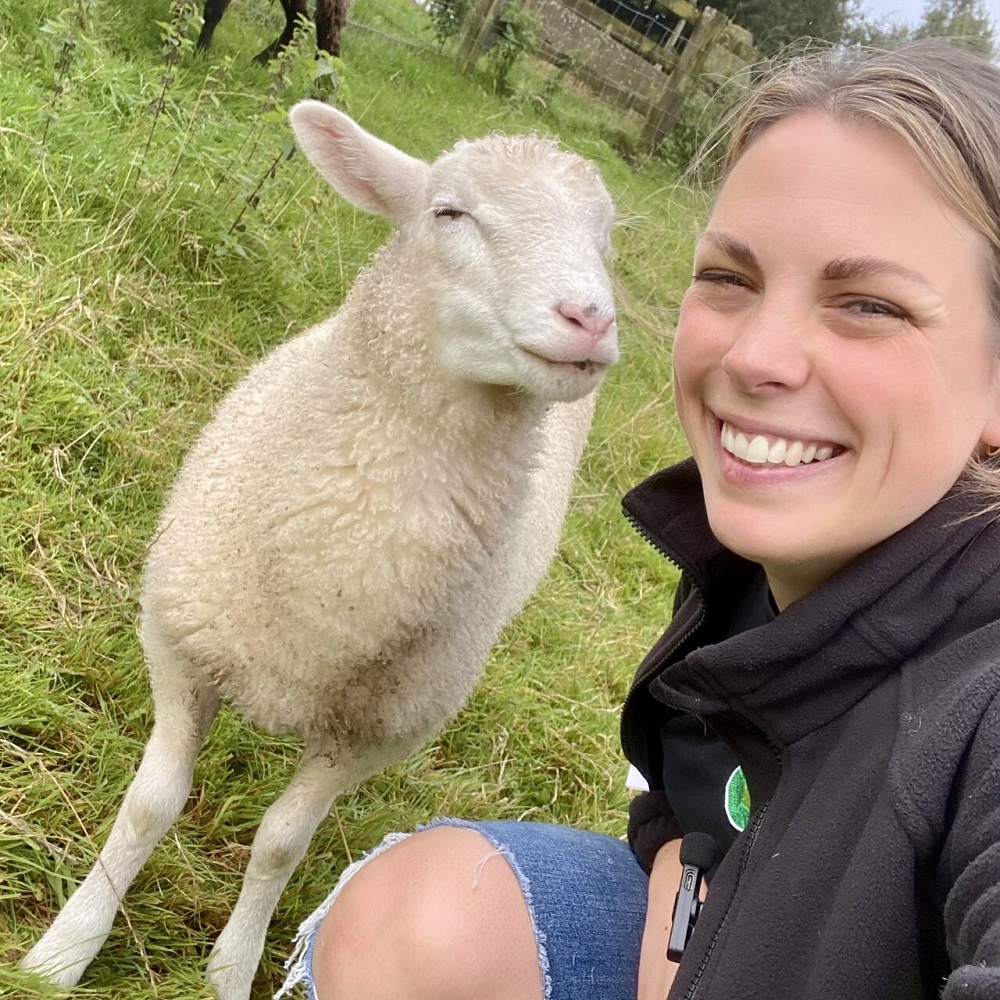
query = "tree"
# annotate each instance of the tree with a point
(965, 21)
(879, 33)
(776, 23)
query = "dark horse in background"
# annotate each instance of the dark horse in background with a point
(331, 16)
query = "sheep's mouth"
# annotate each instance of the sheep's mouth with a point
(586, 366)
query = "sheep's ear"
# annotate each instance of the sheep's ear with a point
(368, 172)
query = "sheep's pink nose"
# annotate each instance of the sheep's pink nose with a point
(589, 318)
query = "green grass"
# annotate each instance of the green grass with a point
(136, 285)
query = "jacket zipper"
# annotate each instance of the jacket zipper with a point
(692, 990)
(647, 535)
(758, 821)
(744, 861)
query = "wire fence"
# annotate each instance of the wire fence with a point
(652, 64)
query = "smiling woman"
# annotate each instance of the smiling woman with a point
(825, 705)
(837, 333)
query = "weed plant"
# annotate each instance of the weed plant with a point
(517, 34)
(447, 17)
(154, 240)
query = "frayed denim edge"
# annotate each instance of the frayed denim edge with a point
(540, 940)
(299, 963)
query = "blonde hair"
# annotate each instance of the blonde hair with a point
(942, 100)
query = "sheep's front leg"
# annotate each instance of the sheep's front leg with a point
(184, 711)
(278, 847)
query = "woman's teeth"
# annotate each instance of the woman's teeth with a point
(760, 450)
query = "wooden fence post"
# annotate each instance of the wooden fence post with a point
(663, 118)
(478, 25)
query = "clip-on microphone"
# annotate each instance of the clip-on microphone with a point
(697, 856)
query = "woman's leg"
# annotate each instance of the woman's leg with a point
(440, 916)
(491, 911)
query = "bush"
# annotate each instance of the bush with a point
(448, 17)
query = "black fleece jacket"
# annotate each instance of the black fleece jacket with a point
(866, 718)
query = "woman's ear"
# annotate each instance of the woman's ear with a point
(991, 431)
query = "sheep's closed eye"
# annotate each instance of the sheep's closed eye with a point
(448, 212)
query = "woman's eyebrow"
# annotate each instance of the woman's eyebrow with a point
(738, 251)
(844, 268)
(839, 269)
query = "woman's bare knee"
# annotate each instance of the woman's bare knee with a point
(440, 914)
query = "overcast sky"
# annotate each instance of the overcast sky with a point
(909, 11)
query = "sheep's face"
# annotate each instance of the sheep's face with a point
(518, 235)
(510, 237)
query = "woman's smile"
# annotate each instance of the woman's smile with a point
(773, 449)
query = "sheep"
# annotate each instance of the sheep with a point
(370, 505)
(331, 19)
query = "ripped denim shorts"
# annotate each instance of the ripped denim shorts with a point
(586, 894)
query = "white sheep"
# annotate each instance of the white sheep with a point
(370, 505)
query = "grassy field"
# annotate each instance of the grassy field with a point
(155, 240)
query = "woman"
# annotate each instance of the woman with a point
(838, 620)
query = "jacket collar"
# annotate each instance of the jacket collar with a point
(937, 578)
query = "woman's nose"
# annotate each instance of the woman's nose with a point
(768, 352)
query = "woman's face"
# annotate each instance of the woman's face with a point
(834, 363)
